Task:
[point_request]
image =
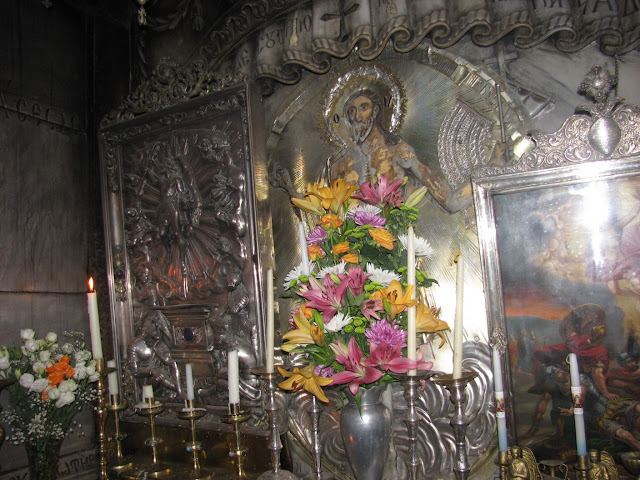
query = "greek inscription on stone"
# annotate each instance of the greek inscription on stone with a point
(548, 4)
(593, 6)
(269, 40)
(301, 25)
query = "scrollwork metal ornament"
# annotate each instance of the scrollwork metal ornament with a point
(606, 130)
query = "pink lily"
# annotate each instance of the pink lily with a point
(381, 192)
(355, 279)
(370, 307)
(356, 372)
(389, 358)
(327, 298)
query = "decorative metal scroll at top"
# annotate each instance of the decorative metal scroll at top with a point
(607, 131)
(436, 440)
(292, 35)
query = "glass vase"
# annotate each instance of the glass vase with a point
(43, 459)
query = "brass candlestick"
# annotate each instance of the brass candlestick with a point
(102, 412)
(116, 405)
(459, 420)
(270, 385)
(235, 417)
(151, 408)
(192, 413)
(582, 467)
(503, 461)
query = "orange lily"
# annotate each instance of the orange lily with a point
(304, 334)
(310, 203)
(306, 379)
(382, 237)
(428, 322)
(333, 196)
(395, 300)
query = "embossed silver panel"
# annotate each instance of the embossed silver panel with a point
(180, 210)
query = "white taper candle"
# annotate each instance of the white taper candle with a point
(578, 411)
(233, 377)
(188, 372)
(94, 322)
(303, 248)
(269, 363)
(498, 388)
(112, 379)
(411, 311)
(458, 329)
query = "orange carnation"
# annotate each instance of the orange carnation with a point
(350, 258)
(330, 220)
(59, 371)
(340, 248)
(315, 252)
(382, 237)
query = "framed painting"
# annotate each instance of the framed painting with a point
(560, 251)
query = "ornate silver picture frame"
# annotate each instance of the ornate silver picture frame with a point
(559, 257)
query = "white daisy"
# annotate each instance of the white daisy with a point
(381, 276)
(423, 247)
(333, 269)
(364, 207)
(296, 273)
(338, 322)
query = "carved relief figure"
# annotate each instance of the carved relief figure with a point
(363, 113)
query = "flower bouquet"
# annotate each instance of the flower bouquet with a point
(351, 324)
(51, 385)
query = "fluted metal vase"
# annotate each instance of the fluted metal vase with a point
(366, 434)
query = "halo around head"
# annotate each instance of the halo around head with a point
(383, 83)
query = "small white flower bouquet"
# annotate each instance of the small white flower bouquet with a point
(51, 384)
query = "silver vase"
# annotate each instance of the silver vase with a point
(366, 434)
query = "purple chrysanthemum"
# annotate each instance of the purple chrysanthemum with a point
(383, 332)
(323, 371)
(316, 236)
(368, 218)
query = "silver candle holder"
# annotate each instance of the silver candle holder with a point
(316, 444)
(270, 385)
(459, 420)
(411, 384)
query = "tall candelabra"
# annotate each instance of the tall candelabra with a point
(459, 420)
(277, 473)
